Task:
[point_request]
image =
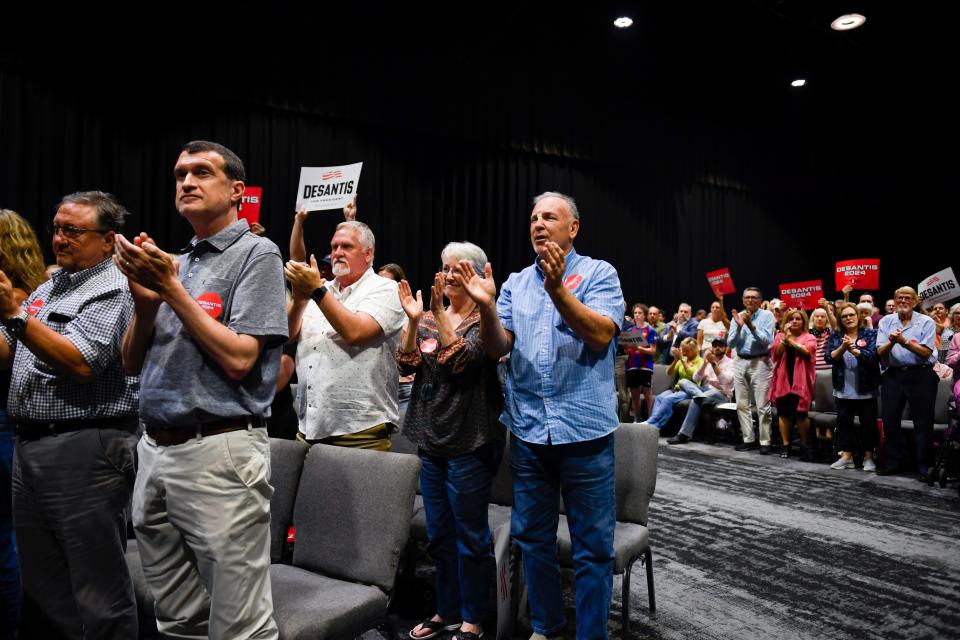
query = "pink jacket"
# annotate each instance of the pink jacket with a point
(804, 371)
(953, 361)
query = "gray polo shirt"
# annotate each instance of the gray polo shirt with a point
(237, 278)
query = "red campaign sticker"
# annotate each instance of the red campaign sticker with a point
(211, 303)
(572, 281)
(34, 308)
(722, 334)
(428, 346)
(861, 342)
(915, 341)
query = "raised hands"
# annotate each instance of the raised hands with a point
(737, 317)
(482, 289)
(412, 306)
(8, 302)
(436, 295)
(150, 272)
(350, 209)
(304, 278)
(554, 263)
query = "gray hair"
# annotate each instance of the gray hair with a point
(366, 235)
(955, 308)
(466, 251)
(110, 213)
(571, 203)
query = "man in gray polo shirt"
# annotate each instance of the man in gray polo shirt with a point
(206, 340)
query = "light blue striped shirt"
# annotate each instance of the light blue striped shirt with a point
(558, 390)
(753, 343)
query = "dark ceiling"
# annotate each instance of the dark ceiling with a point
(556, 77)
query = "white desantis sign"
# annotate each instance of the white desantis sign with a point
(940, 287)
(323, 188)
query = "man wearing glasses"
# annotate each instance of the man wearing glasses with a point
(751, 334)
(906, 344)
(75, 414)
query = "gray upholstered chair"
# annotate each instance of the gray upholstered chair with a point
(661, 380)
(286, 461)
(352, 515)
(636, 478)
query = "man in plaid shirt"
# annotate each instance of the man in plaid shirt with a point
(75, 415)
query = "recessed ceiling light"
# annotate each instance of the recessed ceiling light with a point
(798, 83)
(847, 22)
(623, 22)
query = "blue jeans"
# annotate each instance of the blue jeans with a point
(9, 568)
(663, 406)
(710, 395)
(583, 472)
(456, 493)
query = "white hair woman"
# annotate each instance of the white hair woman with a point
(453, 417)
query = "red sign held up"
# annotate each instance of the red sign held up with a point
(250, 204)
(803, 295)
(863, 273)
(721, 282)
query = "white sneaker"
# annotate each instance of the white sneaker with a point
(869, 465)
(844, 464)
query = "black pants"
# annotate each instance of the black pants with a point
(918, 387)
(852, 437)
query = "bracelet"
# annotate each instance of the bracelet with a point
(318, 293)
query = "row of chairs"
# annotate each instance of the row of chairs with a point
(357, 512)
(636, 477)
(352, 513)
(823, 410)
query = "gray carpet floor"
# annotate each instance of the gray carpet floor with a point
(749, 546)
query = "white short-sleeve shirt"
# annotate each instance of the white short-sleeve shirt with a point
(711, 331)
(343, 389)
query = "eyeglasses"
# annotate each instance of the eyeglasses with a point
(70, 232)
(847, 315)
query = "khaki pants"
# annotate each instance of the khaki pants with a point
(201, 511)
(753, 376)
(376, 438)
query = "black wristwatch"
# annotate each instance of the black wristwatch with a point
(318, 294)
(17, 323)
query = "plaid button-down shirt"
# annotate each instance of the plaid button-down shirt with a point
(91, 308)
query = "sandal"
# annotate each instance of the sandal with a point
(784, 452)
(467, 635)
(435, 627)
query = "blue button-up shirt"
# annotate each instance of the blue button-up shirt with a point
(753, 343)
(558, 390)
(920, 329)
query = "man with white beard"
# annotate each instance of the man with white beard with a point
(347, 331)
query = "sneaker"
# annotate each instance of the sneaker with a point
(744, 446)
(869, 465)
(845, 464)
(678, 439)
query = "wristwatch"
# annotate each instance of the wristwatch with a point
(17, 323)
(318, 294)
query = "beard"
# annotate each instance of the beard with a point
(340, 269)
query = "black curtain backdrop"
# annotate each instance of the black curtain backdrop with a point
(667, 193)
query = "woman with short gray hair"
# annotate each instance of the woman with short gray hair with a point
(453, 417)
